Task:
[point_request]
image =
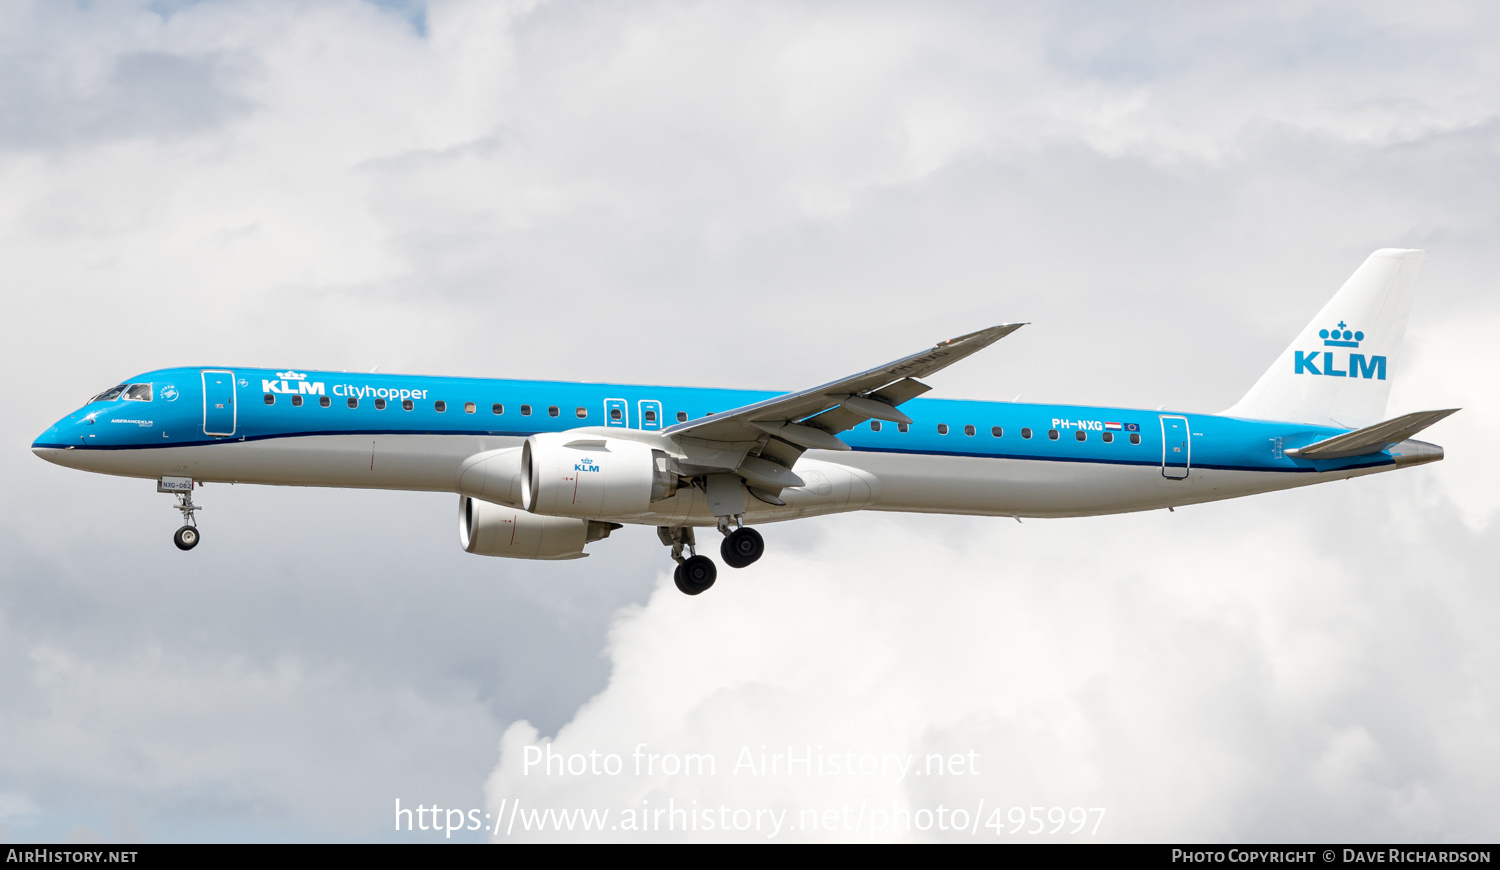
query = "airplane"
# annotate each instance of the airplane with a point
(543, 469)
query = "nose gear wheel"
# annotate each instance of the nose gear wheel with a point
(186, 538)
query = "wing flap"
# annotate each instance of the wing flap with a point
(1371, 439)
(901, 391)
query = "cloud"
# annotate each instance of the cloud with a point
(94, 91)
(1228, 672)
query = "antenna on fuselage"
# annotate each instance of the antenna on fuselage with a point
(376, 369)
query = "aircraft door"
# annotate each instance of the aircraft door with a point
(219, 413)
(1176, 448)
(616, 412)
(650, 414)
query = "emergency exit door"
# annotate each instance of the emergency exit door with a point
(650, 414)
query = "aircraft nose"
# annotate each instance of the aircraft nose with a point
(56, 439)
(45, 444)
(47, 438)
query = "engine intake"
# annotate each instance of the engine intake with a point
(565, 475)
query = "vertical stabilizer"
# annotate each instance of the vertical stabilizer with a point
(1338, 371)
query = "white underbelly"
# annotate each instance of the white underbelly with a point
(837, 482)
(412, 462)
(918, 483)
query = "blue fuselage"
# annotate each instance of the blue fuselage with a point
(259, 404)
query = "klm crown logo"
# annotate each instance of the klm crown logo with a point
(586, 464)
(1340, 337)
(1356, 364)
(291, 382)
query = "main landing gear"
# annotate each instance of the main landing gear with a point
(695, 573)
(742, 546)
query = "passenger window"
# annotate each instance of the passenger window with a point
(1026, 433)
(440, 406)
(996, 431)
(406, 405)
(1109, 437)
(942, 428)
(380, 404)
(682, 416)
(1135, 437)
(902, 427)
(1052, 433)
(296, 401)
(614, 414)
(109, 395)
(324, 401)
(650, 416)
(874, 425)
(552, 411)
(270, 398)
(1081, 435)
(137, 393)
(497, 409)
(470, 407)
(582, 413)
(969, 430)
(353, 402)
(525, 410)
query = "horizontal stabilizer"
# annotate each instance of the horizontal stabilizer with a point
(1371, 439)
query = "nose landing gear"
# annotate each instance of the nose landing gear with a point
(187, 537)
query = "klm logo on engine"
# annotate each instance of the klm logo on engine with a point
(292, 382)
(1326, 362)
(585, 464)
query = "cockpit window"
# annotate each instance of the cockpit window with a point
(110, 394)
(137, 393)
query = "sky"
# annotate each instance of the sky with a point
(760, 195)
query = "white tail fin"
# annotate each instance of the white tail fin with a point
(1339, 369)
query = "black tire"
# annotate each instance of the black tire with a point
(742, 548)
(186, 537)
(696, 575)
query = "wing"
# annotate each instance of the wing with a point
(788, 424)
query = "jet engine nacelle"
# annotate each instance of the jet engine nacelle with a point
(486, 529)
(588, 476)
